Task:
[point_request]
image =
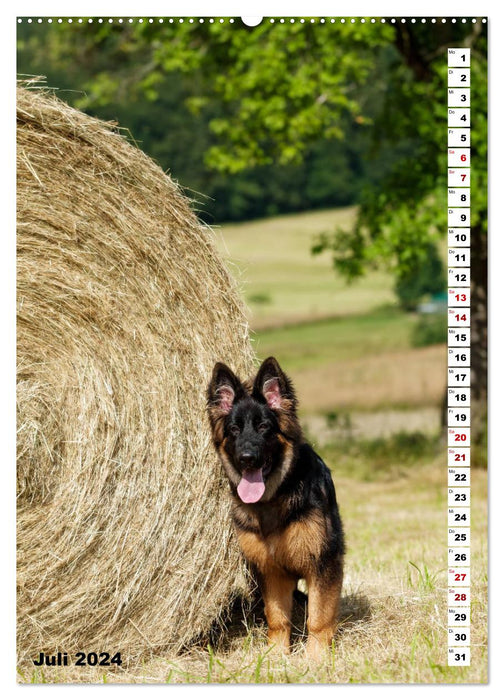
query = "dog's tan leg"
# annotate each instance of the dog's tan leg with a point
(277, 590)
(323, 608)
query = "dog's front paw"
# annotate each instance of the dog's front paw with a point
(279, 641)
(318, 645)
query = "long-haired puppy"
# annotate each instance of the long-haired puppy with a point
(284, 504)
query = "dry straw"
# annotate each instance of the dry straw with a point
(124, 541)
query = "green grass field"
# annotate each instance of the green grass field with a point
(393, 621)
(283, 283)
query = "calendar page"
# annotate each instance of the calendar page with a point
(252, 349)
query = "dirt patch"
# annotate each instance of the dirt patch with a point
(415, 376)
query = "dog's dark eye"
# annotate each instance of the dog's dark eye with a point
(234, 430)
(263, 427)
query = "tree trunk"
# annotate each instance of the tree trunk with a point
(479, 350)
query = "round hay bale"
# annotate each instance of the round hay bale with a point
(124, 537)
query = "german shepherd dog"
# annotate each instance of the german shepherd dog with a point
(283, 500)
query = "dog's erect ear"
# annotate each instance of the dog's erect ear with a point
(224, 388)
(273, 385)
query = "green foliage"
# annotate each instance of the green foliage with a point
(404, 210)
(423, 275)
(479, 450)
(261, 121)
(340, 422)
(286, 117)
(430, 329)
(384, 458)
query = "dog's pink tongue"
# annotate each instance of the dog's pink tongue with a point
(251, 486)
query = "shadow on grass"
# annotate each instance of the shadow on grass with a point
(246, 620)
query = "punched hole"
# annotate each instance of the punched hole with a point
(251, 21)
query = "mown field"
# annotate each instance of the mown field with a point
(371, 403)
(348, 348)
(393, 619)
(283, 283)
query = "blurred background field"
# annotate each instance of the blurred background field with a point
(349, 348)
(283, 284)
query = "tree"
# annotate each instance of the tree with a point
(174, 114)
(271, 91)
